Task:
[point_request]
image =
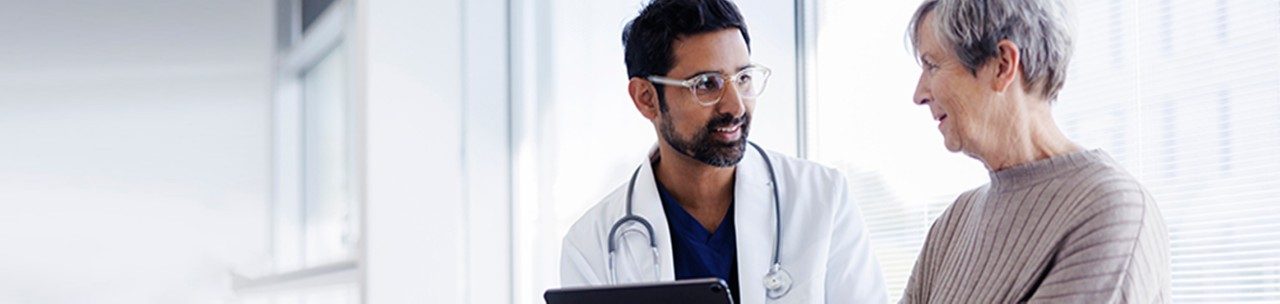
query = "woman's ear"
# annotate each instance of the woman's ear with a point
(1008, 65)
(644, 96)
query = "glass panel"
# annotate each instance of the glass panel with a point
(312, 10)
(327, 217)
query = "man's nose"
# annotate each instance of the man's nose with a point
(731, 102)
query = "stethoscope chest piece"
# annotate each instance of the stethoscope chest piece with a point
(777, 283)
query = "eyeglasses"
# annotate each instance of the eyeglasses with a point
(709, 87)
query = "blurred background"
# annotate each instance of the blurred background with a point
(398, 151)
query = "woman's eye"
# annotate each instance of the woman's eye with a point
(928, 66)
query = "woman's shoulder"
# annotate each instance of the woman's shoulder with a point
(1103, 185)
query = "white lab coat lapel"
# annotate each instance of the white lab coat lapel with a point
(648, 204)
(754, 224)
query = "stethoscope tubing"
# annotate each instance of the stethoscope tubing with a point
(653, 241)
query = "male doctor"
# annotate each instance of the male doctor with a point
(706, 202)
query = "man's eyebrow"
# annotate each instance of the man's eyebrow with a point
(704, 72)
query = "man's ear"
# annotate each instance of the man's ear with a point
(644, 96)
(1008, 65)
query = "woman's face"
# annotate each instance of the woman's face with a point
(964, 105)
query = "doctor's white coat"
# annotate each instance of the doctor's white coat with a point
(825, 246)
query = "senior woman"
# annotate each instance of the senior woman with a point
(1057, 223)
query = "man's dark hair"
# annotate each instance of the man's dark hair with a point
(648, 39)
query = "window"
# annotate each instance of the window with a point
(1185, 94)
(579, 137)
(587, 134)
(315, 227)
(315, 206)
(311, 11)
(326, 213)
(864, 123)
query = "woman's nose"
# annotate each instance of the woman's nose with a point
(922, 95)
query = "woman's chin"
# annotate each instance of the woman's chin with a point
(951, 144)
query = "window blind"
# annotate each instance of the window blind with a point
(1185, 94)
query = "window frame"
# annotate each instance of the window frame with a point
(297, 52)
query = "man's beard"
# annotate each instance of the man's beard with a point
(704, 147)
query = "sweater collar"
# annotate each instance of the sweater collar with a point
(1020, 176)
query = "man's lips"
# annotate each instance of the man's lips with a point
(729, 133)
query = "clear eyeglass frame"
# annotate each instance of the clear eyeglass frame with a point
(709, 88)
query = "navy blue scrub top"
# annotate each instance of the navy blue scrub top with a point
(698, 253)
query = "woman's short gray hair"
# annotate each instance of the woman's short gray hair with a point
(972, 28)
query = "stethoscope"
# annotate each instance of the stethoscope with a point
(776, 283)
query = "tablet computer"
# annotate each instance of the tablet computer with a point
(701, 291)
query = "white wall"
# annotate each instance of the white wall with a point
(411, 95)
(431, 80)
(133, 149)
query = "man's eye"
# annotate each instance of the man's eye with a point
(709, 84)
